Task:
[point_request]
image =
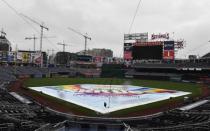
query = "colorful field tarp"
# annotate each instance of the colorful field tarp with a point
(108, 98)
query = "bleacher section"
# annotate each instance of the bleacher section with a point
(176, 66)
(177, 120)
(8, 73)
(169, 71)
(18, 116)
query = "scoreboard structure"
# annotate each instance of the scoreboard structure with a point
(147, 50)
(129, 40)
(160, 47)
(155, 50)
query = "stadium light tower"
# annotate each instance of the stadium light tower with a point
(84, 35)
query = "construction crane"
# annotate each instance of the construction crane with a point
(34, 38)
(41, 34)
(85, 36)
(41, 25)
(64, 45)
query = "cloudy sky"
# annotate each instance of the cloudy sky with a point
(106, 21)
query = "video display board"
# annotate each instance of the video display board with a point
(147, 52)
(128, 51)
(168, 53)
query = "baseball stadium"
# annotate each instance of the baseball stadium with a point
(147, 89)
(154, 91)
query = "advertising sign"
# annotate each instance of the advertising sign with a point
(37, 58)
(160, 36)
(168, 50)
(4, 56)
(151, 43)
(11, 56)
(168, 54)
(136, 36)
(19, 56)
(25, 57)
(127, 55)
(168, 45)
(128, 46)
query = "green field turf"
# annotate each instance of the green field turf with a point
(188, 87)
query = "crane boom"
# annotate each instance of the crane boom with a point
(41, 25)
(75, 31)
(49, 37)
(85, 36)
(34, 38)
(64, 45)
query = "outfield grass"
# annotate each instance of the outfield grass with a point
(187, 87)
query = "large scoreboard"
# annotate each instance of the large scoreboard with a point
(149, 50)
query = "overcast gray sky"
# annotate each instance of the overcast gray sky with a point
(106, 21)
